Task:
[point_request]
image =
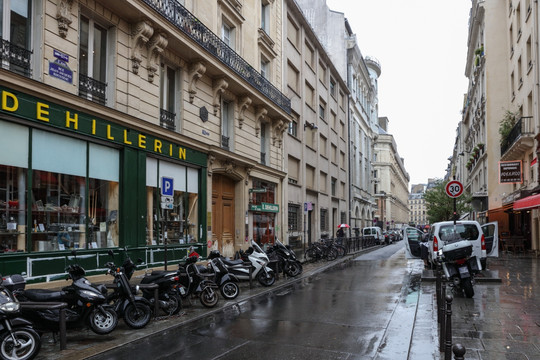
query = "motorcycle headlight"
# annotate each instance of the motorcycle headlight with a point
(10, 306)
(90, 294)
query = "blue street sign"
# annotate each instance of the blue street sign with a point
(167, 188)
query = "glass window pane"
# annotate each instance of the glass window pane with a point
(193, 180)
(151, 172)
(99, 53)
(12, 209)
(57, 153)
(20, 23)
(104, 163)
(103, 204)
(177, 172)
(14, 144)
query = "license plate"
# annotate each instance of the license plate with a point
(463, 270)
(182, 291)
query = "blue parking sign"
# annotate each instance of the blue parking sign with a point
(167, 188)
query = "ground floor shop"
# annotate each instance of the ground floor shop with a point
(74, 180)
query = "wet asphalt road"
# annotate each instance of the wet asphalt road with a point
(362, 309)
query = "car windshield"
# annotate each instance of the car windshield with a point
(451, 233)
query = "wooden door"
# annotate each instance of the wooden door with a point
(223, 213)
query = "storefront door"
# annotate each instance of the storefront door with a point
(223, 213)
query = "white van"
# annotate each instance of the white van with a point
(375, 232)
(484, 238)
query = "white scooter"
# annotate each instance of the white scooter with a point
(257, 258)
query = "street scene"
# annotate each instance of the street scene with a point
(220, 179)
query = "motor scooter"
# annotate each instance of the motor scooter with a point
(259, 262)
(18, 339)
(459, 266)
(227, 282)
(286, 258)
(197, 284)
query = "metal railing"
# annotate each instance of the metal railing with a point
(166, 119)
(92, 89)
(522, 127)
(16, 57)
(186, 22)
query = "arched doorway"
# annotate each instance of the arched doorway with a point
(223, 213)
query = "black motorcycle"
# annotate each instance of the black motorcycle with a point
(135, 310)
(197, 284)
(285, 257)
(18, 339)
(86, 304)
(169, 289)
(227, 282)
(459, 266)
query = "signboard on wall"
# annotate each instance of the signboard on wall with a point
(510, 172)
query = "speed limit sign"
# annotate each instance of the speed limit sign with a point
(454, 189)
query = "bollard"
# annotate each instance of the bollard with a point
(62, 328)
(441, 313)
(459, 352)
(448, 332)
(438, 291)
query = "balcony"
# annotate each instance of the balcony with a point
(166, 119)
(187, 23)
(520, 139)
(92, 89)
(15, 58)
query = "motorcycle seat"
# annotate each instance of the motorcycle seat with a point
(44, 295)
(155, 275)
(233, 262)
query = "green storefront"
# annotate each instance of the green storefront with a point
(71, 180)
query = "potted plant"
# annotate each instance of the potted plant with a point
(506, 124)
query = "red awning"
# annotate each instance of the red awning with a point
(529, 202)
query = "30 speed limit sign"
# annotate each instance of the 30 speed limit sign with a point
(454, 189)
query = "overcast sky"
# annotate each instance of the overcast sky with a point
(422, 47)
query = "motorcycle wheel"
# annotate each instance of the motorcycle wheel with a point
(103, 323)
(295, 269)
(266, 279)
(137, 315)
(208, 297)
(467, 286)
(229, 290)
(173, 304)
(29, 344)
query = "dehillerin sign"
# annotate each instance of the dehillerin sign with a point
(39, 111)
(510, 172)
(265, 207)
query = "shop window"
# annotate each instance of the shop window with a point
(92, 61)
(263, 192)
(15, 34)
(294, 217)
(179, 224)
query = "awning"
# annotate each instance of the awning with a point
(529, 202)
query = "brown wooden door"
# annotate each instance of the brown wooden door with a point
(223, 212)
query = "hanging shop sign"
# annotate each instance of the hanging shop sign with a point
(265, 207)
(51, 114)
(258, 191)
(510, 172)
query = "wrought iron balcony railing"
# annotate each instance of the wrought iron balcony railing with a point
(225, 142)
(186, 22)
(521, 128)
(15, 58)
(166, 119)
(92, 89)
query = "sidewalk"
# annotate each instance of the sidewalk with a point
(501, 321)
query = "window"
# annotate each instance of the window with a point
(310, 176)
(182, 222)
(294, 217)
(228, 35)
(265, 16)
(322, 180)
(227, 122)
(15, 35)
(310, 96)
(168, 97)
(322, 109)
(293, 33)
(333, 182)
(332, 87)
(334, 154)
(92, 61)
(293, 170)
(324, 219)
(293, 77)
(265, 68)
(323, 146)
(293, 125)
(310, 55)
(264, 146)
(322, 74)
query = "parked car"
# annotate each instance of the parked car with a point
(484, 238)
(375, 232)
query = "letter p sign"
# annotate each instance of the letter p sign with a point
(167, 188)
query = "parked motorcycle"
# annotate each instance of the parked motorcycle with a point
(196, 284)
(18, 339)
(169, 290)
(259, 261)
(227, 282)
(459, 266)
(135, 310)
(286, 258)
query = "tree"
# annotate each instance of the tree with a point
(440, 206)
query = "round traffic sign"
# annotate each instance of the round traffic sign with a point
(454, 189)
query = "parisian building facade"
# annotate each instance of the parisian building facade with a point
(496, 149)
